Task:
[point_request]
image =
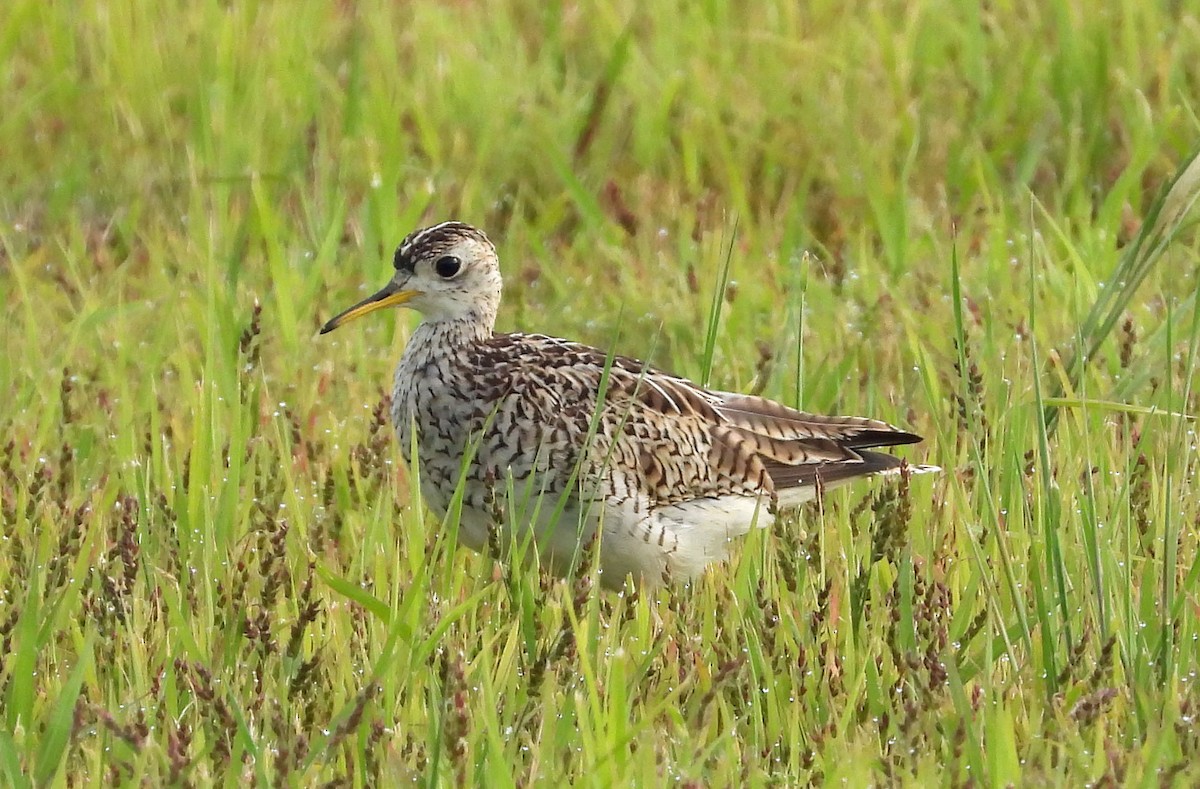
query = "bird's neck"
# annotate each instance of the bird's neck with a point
(437, 336)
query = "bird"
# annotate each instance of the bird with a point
(549, 446)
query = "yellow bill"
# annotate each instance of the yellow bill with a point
(391, 295)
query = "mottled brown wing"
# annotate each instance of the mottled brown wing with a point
(757, 446)
(672, 441)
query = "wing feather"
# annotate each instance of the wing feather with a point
(752, 446)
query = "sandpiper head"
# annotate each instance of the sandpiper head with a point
(447, 272)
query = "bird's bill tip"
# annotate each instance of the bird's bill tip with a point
(388, 296)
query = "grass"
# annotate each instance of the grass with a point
(214, 570)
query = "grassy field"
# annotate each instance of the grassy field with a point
(213, 569)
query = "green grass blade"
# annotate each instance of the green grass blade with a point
(714, 311)
(10, 763)
(1163, 222)
(61, 722)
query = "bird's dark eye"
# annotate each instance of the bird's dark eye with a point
(447, 266)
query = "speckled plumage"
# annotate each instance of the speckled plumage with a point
(667, 471)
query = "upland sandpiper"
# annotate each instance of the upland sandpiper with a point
(556, 441)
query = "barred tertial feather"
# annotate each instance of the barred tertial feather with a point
(779, 421)
(565, 440)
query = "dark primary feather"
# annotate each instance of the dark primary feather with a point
(863, 464)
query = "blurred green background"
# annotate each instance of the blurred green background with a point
(212, 566)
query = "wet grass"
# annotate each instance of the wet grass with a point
(213, 568)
